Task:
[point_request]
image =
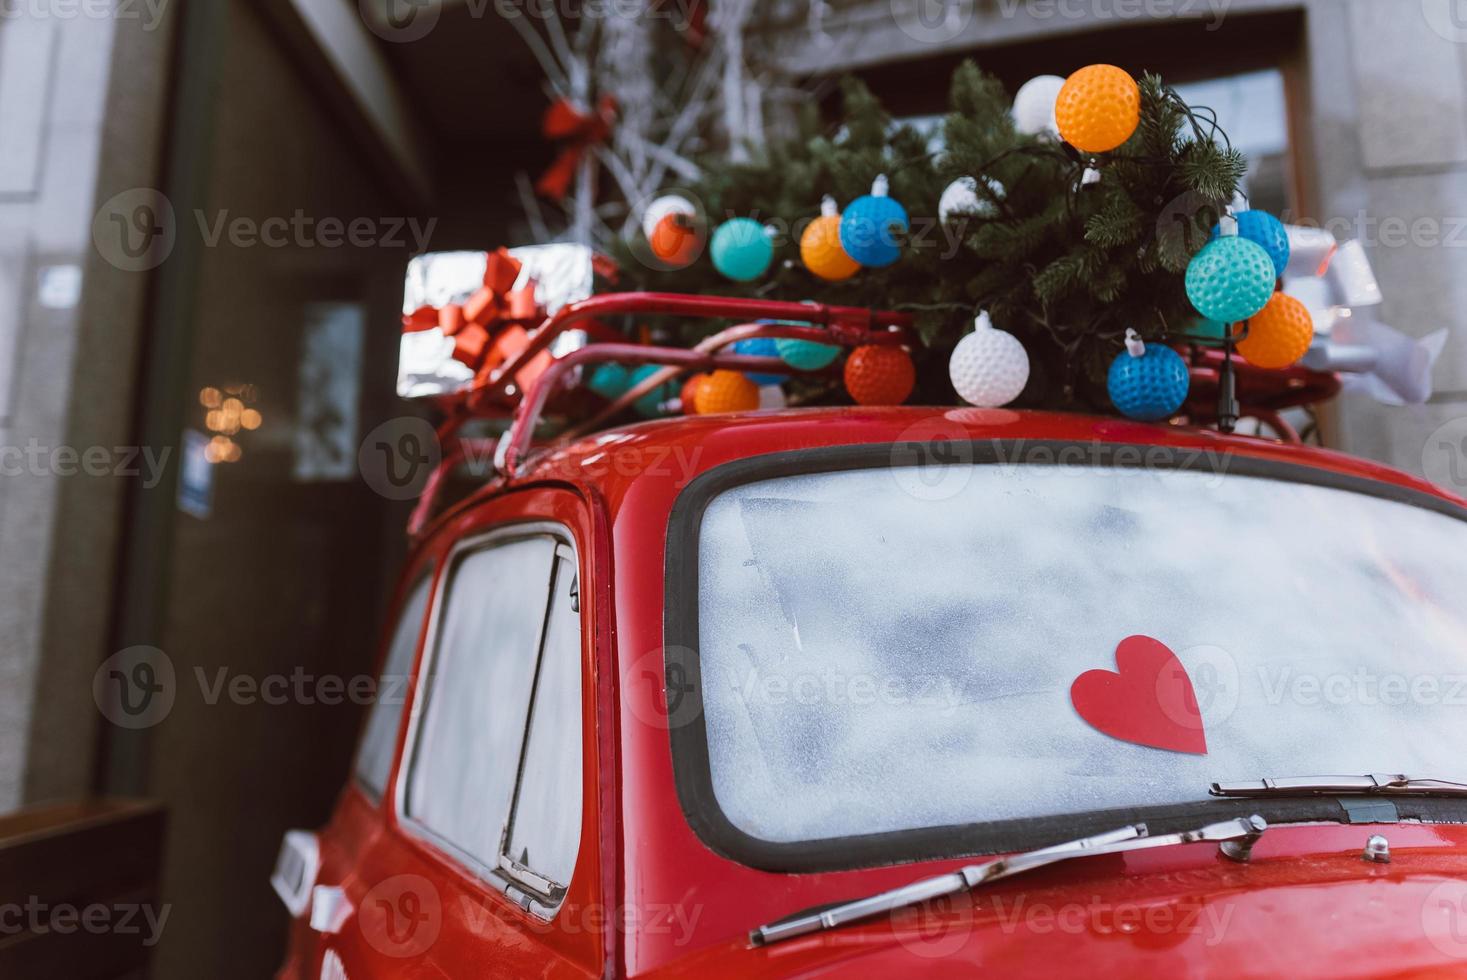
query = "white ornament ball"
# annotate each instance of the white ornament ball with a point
(661, 207)
(989, 367)
(772, 397)
(1034, 105)
(961, 198)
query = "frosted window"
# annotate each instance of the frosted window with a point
(379, 739)
(877, 660)
(466, 758)
(546, 832)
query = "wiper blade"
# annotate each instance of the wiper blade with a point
(1381, 784)
(1236, 838)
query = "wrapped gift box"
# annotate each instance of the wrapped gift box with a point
(465, 311)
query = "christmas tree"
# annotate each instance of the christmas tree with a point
(1066, 251)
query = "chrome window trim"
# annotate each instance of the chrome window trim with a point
(504, 534)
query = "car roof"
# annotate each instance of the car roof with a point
(614, 462)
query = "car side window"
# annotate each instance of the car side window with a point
(543, 836)
(506, 656)
(379, 737)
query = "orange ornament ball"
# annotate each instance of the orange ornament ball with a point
(879, 375)
(821, 252)
(677, 239)
(690, 393)
(726, 391)
(1098, 108)
(1278, 335)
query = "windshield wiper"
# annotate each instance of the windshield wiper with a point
(1377, 784)
(1237, 837)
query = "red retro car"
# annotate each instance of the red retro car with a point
(902, 692)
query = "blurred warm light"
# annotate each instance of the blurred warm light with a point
(232, 410)
(222, 449)
(228, 413)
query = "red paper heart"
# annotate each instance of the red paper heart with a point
(1147, 700)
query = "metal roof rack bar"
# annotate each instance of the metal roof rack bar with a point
(514, 446)
(492, 391)
(841, 321)
(721, 340)
(454, 451)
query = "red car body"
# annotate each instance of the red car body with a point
(650, 898)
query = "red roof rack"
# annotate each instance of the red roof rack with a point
(494, 393)
(1261, 393)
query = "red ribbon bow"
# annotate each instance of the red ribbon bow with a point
(581, 131)
(485, 316)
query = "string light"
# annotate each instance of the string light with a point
(876, 375)
(1231, 279)
(1148, 382)
(872, 226)
(989, 367)
(820, 247)
(741, 249)
(228, 413)
(1098, 108)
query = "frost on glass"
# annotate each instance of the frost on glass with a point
(876, 662)
(379, 740)
(467, 755)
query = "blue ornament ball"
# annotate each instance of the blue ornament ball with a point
(1267, 231)
(610, 380)
(871, 228)
(1150, 387)
(760, 347)
(649, 406)
(1231, 279)
(741, 250)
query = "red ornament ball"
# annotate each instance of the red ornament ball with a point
(690, 393)
(677, 239)
(878, 375)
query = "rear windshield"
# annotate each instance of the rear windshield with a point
(892, 649)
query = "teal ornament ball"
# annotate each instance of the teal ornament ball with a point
(741, 250)
(760, 347)
(1267, 231)
(1211, 329)
(1231, 279)
(805, 355)
(610, 381)
(649, 406)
